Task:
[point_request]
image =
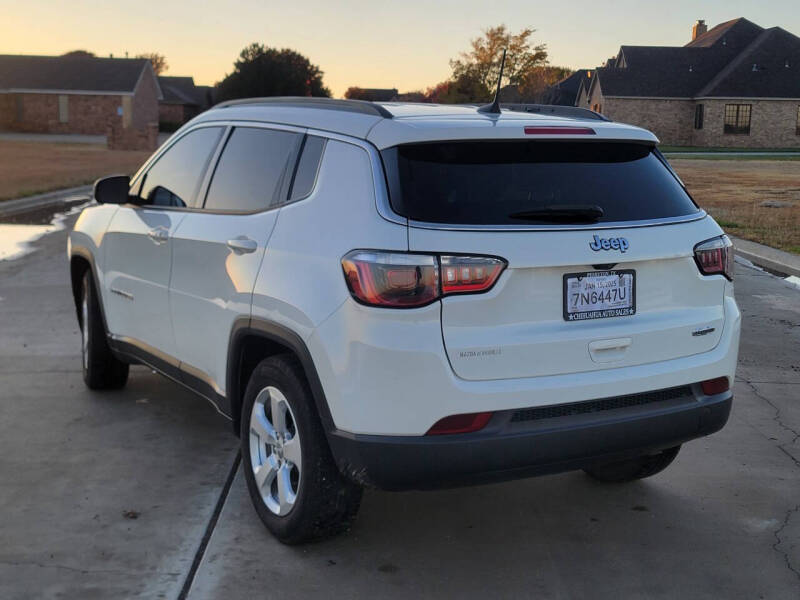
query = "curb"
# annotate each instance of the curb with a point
(767, 257)
(12, 207)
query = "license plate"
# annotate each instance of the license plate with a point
(599, 294)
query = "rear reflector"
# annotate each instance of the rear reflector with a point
(465, 423)
(559, 130)
(715, 386)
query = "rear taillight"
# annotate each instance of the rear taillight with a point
(715, 256)
(392, 279)
(404, 280)
(469, 274)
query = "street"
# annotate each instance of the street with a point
(114, 494)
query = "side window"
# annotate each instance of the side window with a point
(175, 177)
(250, 172)
(307, 167)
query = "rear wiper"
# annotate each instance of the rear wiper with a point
(567, 212)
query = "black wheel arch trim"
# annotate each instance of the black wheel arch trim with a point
(271, 331)
(85, 254)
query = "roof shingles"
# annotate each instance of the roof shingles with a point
(69, 73)
(718, 63)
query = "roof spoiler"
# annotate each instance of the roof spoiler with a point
(570, 112)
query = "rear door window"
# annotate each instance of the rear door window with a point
(525, 182)
(250, 173)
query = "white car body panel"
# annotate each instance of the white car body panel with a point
(517, 329)
(135, 286)
(301, 282)
(386, 372)
(212, 286)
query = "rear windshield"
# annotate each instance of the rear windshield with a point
(538, 182)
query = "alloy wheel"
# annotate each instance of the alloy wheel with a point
(275, 454)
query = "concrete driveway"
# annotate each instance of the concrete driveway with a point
(124, 494)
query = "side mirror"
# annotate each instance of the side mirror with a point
(112, 190)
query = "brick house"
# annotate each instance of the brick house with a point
(77, 94)
(182, 100)
(736, 85)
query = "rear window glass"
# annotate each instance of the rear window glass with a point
(486, 183)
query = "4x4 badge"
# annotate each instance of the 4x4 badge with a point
(618, 243)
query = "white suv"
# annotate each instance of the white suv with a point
(413, 296)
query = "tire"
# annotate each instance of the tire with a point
(101, 369)
(633, 468)
(294, 483)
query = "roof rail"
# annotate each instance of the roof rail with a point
(356, 106)
(571, 112)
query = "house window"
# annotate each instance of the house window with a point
(63, 109)
(127, 111)
(737, 119)
(698, 116)
(797, 124)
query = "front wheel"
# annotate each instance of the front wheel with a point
(101, 369)
(296, 488)
(633, 468)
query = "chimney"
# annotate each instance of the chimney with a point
(698, 29)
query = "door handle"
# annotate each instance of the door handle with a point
(243, 245)
(159, 235)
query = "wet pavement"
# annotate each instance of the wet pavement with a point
(116, 494)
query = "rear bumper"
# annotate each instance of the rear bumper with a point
(509, 448)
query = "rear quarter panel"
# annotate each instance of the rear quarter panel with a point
(301, 281)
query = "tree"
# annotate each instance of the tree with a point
(263, 71)
(482, 61)
(159, 61)
(463, 89)
(355, 93)
(79, 54)
(541, 78)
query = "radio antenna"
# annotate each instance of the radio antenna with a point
(494, 107)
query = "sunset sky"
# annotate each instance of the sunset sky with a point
(405, 44)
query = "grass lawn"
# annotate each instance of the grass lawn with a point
(666, 149)
(733, 156)
(28, 168)
(732, 192)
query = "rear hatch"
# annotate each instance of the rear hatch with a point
(599, 240)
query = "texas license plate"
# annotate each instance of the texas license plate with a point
(599, 294)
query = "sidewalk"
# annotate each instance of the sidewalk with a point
(13, 207)
(769, 258)
(59, 138)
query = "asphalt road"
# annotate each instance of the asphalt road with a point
(113, 494)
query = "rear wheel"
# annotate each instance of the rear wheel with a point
(296, 488)
(634, 468)
(101, 369)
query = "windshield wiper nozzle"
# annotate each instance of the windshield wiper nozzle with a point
(581, 213)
